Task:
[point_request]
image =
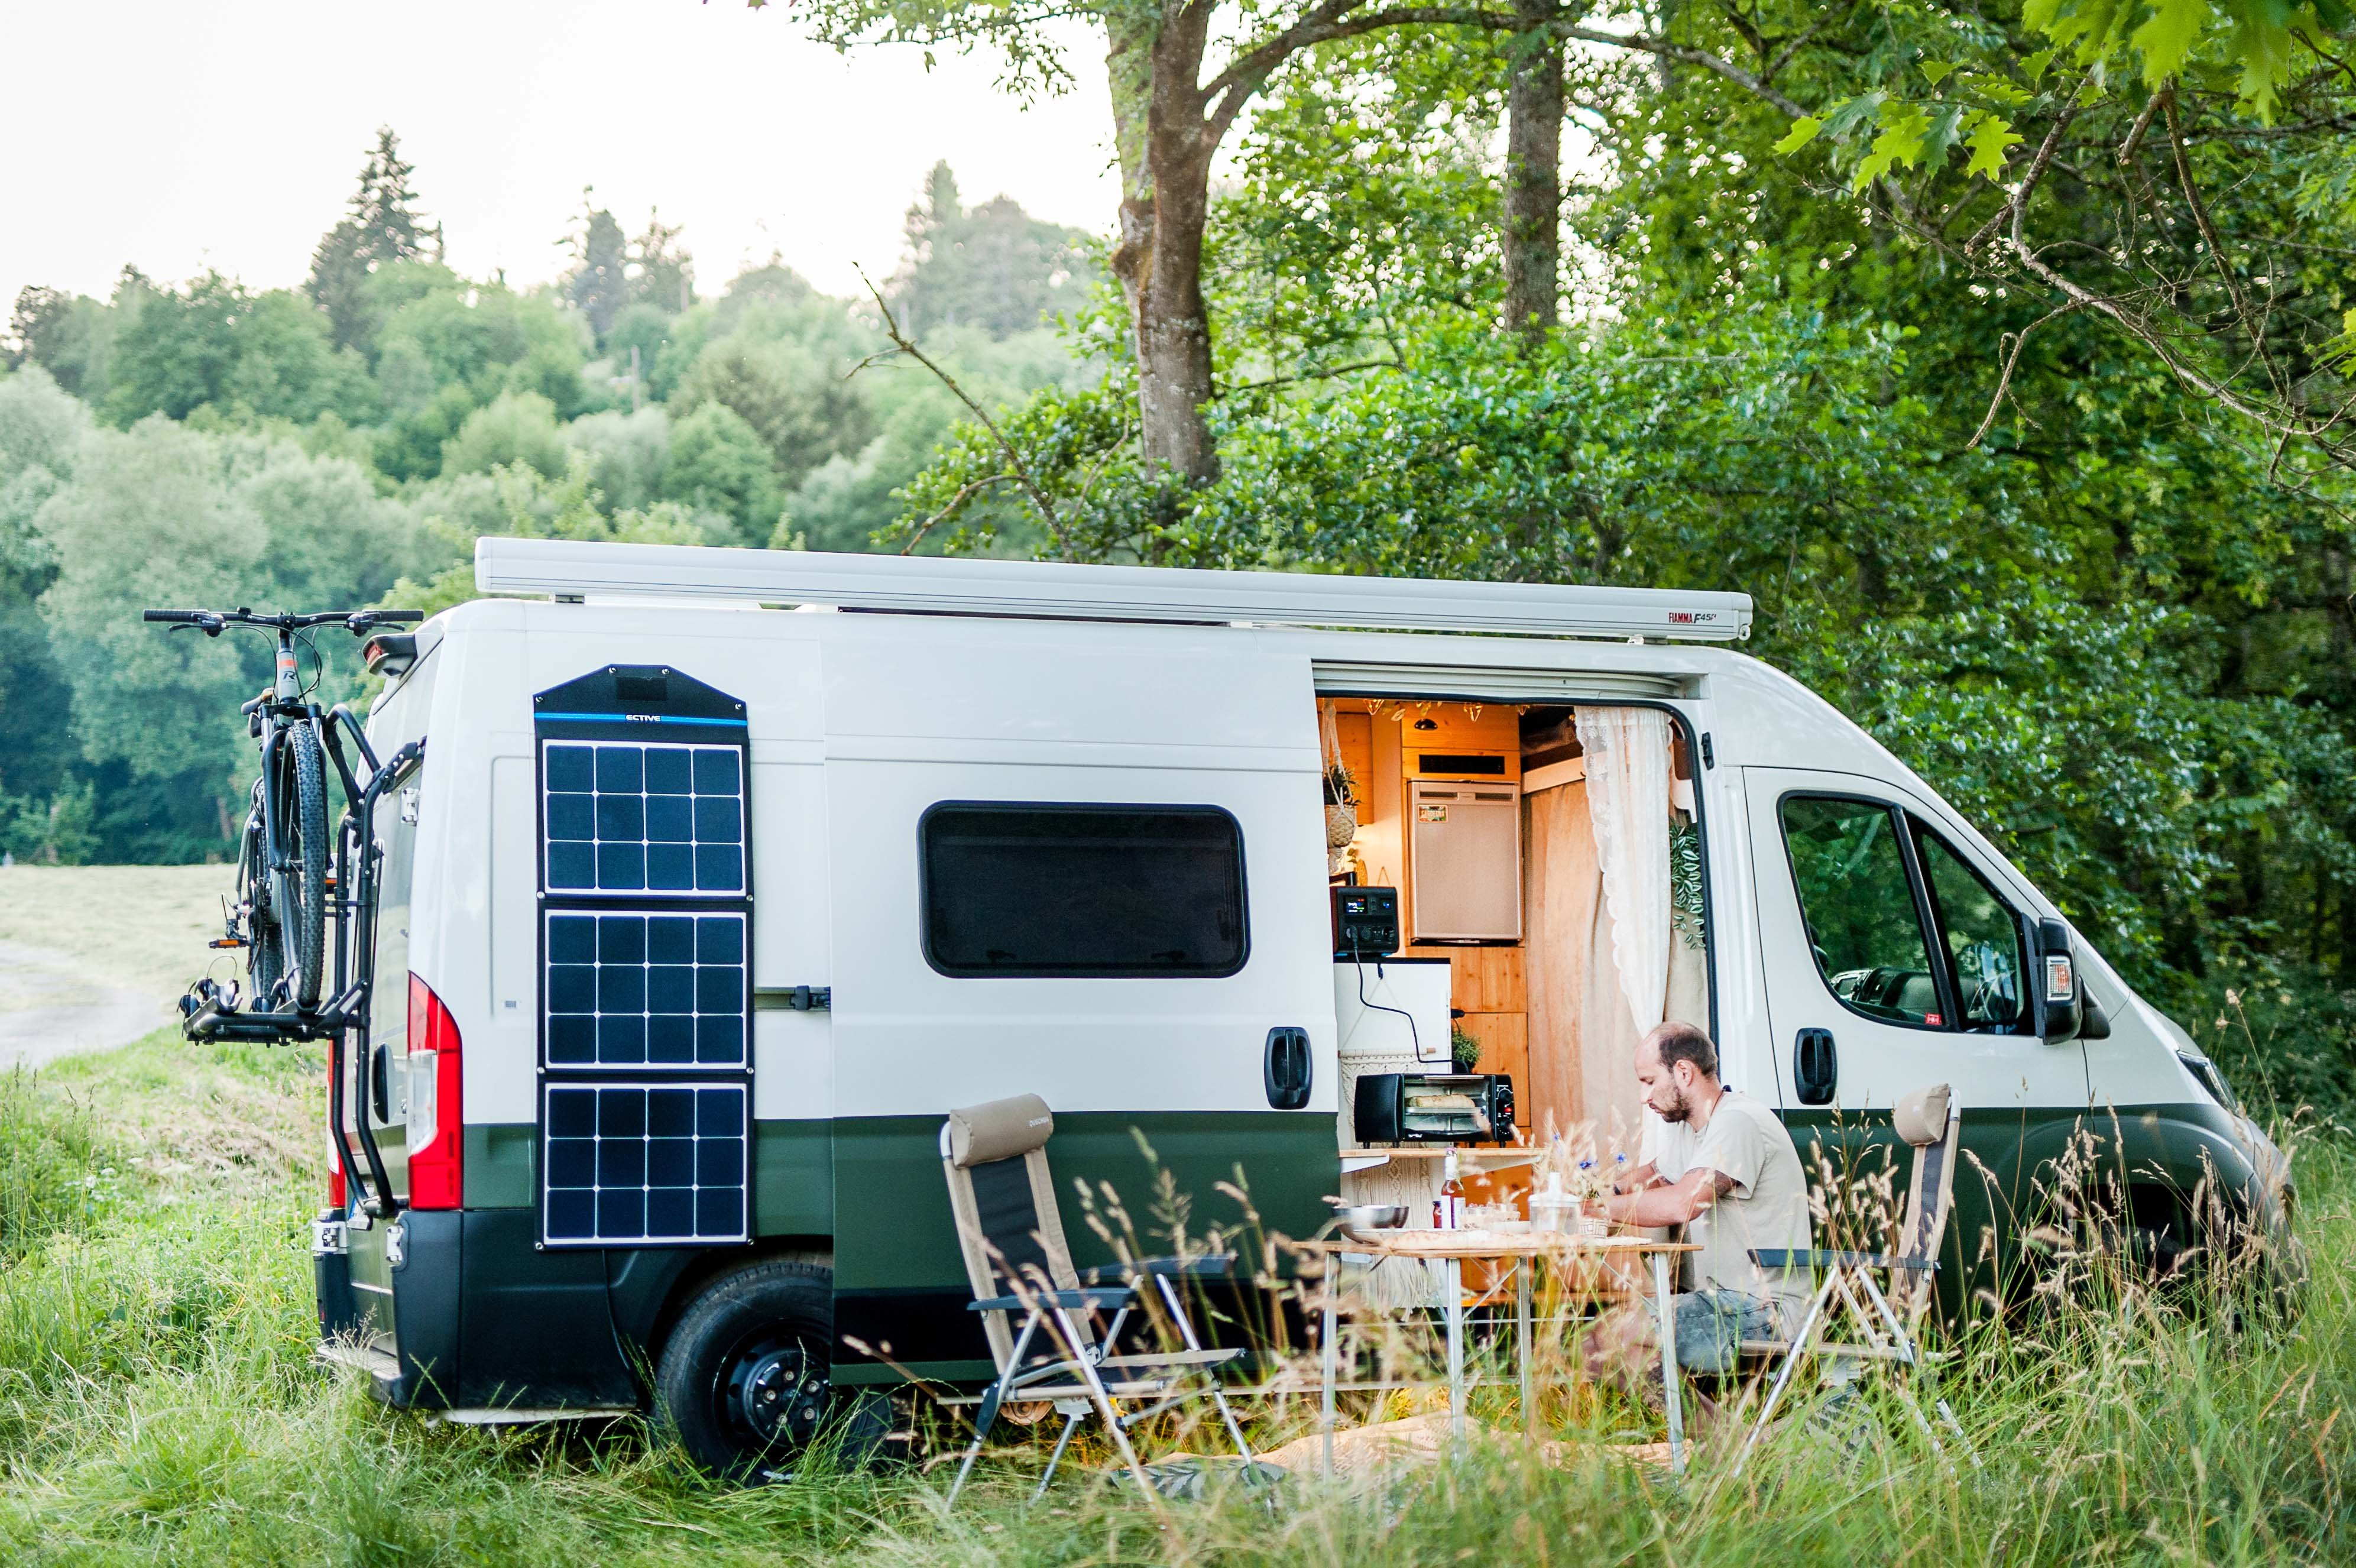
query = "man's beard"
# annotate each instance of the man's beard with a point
(1677, 1110)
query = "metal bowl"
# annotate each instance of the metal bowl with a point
(1370, 1215)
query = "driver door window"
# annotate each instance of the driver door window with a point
(1870, 889)
(1857, 896)
(1982, 939)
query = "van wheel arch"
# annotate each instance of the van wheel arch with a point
(815, 1251)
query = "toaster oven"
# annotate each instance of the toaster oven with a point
(1433, 1108)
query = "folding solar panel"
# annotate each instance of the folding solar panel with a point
(645, 1164)
(645, 962)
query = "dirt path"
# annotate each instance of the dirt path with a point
(93, 956)
(50, 1005)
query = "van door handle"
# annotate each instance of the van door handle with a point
(1816, 1067)
(1287, 1071)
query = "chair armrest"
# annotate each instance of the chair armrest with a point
(1213, 1265)
(1063, 1299)
(1785, 1258)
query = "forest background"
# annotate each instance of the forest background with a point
(1997, 353)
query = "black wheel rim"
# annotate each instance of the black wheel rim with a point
(768, 1394)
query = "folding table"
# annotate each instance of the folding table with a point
(1451, 1249)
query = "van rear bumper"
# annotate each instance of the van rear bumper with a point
(477, 1315)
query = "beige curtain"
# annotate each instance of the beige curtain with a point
(1585, 1014)
(1628, 803)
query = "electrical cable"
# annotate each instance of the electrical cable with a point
(1358, 960)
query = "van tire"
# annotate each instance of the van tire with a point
(743, 1381)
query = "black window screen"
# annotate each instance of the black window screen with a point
(1022, 889)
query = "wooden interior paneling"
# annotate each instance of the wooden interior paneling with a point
(1560, 898)
(1456, 727)
(1380, 812)
(1354, 733)
(1486, 978)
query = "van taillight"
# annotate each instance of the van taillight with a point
(436, 1118)
(335, 1178)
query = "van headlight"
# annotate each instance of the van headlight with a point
(2205, 1073)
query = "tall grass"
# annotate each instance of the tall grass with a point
(157, 1406)
(55, 1171)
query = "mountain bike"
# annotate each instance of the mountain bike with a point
(284, 882)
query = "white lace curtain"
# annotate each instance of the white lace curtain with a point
(1628, 799)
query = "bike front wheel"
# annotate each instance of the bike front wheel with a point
(299, 861)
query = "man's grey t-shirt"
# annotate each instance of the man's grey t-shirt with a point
(1768, 1207)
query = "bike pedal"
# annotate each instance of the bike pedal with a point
(226, 942)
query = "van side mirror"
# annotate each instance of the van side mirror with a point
(2053, 984)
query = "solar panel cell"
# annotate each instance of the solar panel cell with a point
(670, 771)
(621, 769)
(572, 769)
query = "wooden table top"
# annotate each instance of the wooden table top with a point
(1498, 1244)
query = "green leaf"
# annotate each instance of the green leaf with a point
(1990, 139)
(1903, 128)
(1945, 120)
(2034, 65)
(2167, 36)
(1935, 71)
(1804, 131)
(2262, 43)
(1847, 116)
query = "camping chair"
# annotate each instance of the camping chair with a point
(1930, 1121)
(1012, 1234)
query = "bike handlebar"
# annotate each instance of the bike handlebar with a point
(358, 622)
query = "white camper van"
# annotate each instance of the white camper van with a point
(721, 875)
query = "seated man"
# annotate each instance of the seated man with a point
(1725, 1168)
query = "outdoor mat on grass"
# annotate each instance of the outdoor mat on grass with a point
(1367, 1453)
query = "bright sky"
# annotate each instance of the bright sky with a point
(229, 135)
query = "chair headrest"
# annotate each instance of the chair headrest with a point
(1922, 1117)
(1001, 1130)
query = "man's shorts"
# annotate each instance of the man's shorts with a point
(1713, 1324)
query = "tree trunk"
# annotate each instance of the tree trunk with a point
(1532, 216)
(1165, 164)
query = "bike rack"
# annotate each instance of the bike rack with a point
(354, 914)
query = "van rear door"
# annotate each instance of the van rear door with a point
(376, 1071)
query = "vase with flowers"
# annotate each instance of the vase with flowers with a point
(1571, 1174)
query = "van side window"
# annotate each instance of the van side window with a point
(396, 834)
(1981, 937)
(1857, 899)
(1082, 890)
